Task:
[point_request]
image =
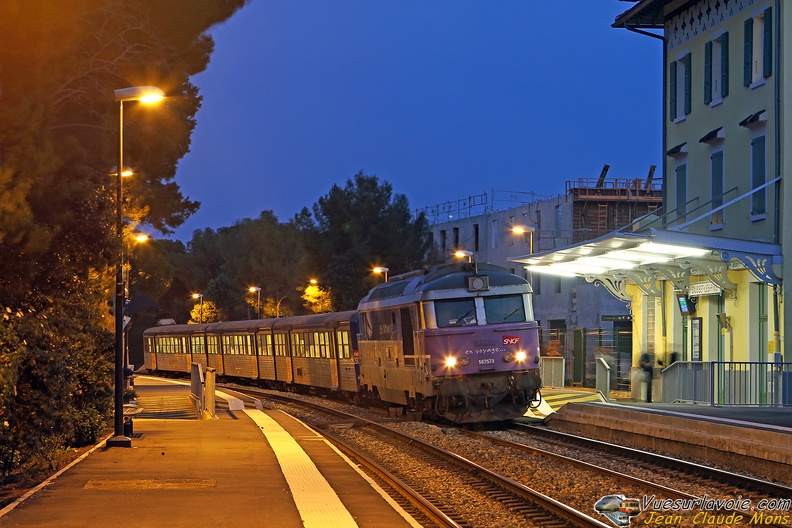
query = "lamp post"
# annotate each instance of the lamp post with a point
(257, 291)
(464, 253)
(521, 230)
(140, 238)
(199, 296)
(135, 93)
(383, 270)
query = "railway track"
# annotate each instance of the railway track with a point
(716, 493)
(727, 491)
(434, 477)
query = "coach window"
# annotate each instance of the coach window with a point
(264, 342)
(456, 312)
(212, 344)
(342, 340)
(279, 341)
(297, 345)
(197, 344)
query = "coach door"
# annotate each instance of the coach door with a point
(333, 353)
(408, 336)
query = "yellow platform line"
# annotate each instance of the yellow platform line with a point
(316, 500)
(570, 397)
(553, 402)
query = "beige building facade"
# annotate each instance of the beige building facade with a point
(703, 276)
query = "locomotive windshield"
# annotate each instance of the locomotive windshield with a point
(497, 309)
(505, 309)
(456, 312)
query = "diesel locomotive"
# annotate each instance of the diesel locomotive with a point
(457, 341)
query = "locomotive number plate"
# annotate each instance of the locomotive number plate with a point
(489, 361)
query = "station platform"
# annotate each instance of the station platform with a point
(754, 439)
(249, 467)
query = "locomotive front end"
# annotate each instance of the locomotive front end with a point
(458, 342)
(485, 373)
(484, 348)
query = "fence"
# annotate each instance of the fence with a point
(552, 372)
(728, 383)
(586, 346)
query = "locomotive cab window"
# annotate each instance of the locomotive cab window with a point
(455, 312)
(505, 309)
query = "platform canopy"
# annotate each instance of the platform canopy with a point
(643, 257)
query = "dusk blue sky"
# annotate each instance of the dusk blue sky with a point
(443, 99)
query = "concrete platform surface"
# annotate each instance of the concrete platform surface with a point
(246, 468)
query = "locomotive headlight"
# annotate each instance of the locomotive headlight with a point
(464, 360)
(521, 355)
(450, 361)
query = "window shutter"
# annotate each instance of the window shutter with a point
(681, 191)
(688, 83)
(708, 72)
(716, 186)
(758, 175)
(748, 48)
(767, 52)
(724, 65)
(672, 90)
(717, 178)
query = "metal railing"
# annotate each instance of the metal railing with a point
(728, 383)
(202, 391)
(603, 378)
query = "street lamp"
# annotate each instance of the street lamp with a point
(521, 230)
(257, 291)
(199, 296)
(380, 269)
(146, 94)
(464, 253)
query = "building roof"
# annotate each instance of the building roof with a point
(647, 14)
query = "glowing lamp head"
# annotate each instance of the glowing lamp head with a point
(521, 355)
(450, 362)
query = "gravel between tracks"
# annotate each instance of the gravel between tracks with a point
(579, 489)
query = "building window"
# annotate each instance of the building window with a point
(456, 237)
(758, 178)
(716, 70)
(681, 191)
(716, 189)
(443, 242)
(511, 227)
(679, 88)
(758, 59)
(494, 235)
(475, 237)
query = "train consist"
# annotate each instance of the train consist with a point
(458, 341)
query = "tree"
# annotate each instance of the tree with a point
(206, 312)
(358, 227)
(59, 65)
(316, 299)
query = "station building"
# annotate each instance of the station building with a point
(703, 276)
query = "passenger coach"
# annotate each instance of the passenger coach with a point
(457, 341)
(311, 352)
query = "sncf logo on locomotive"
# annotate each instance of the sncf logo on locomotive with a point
(511, 340)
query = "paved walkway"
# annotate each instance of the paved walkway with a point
(247, 468)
